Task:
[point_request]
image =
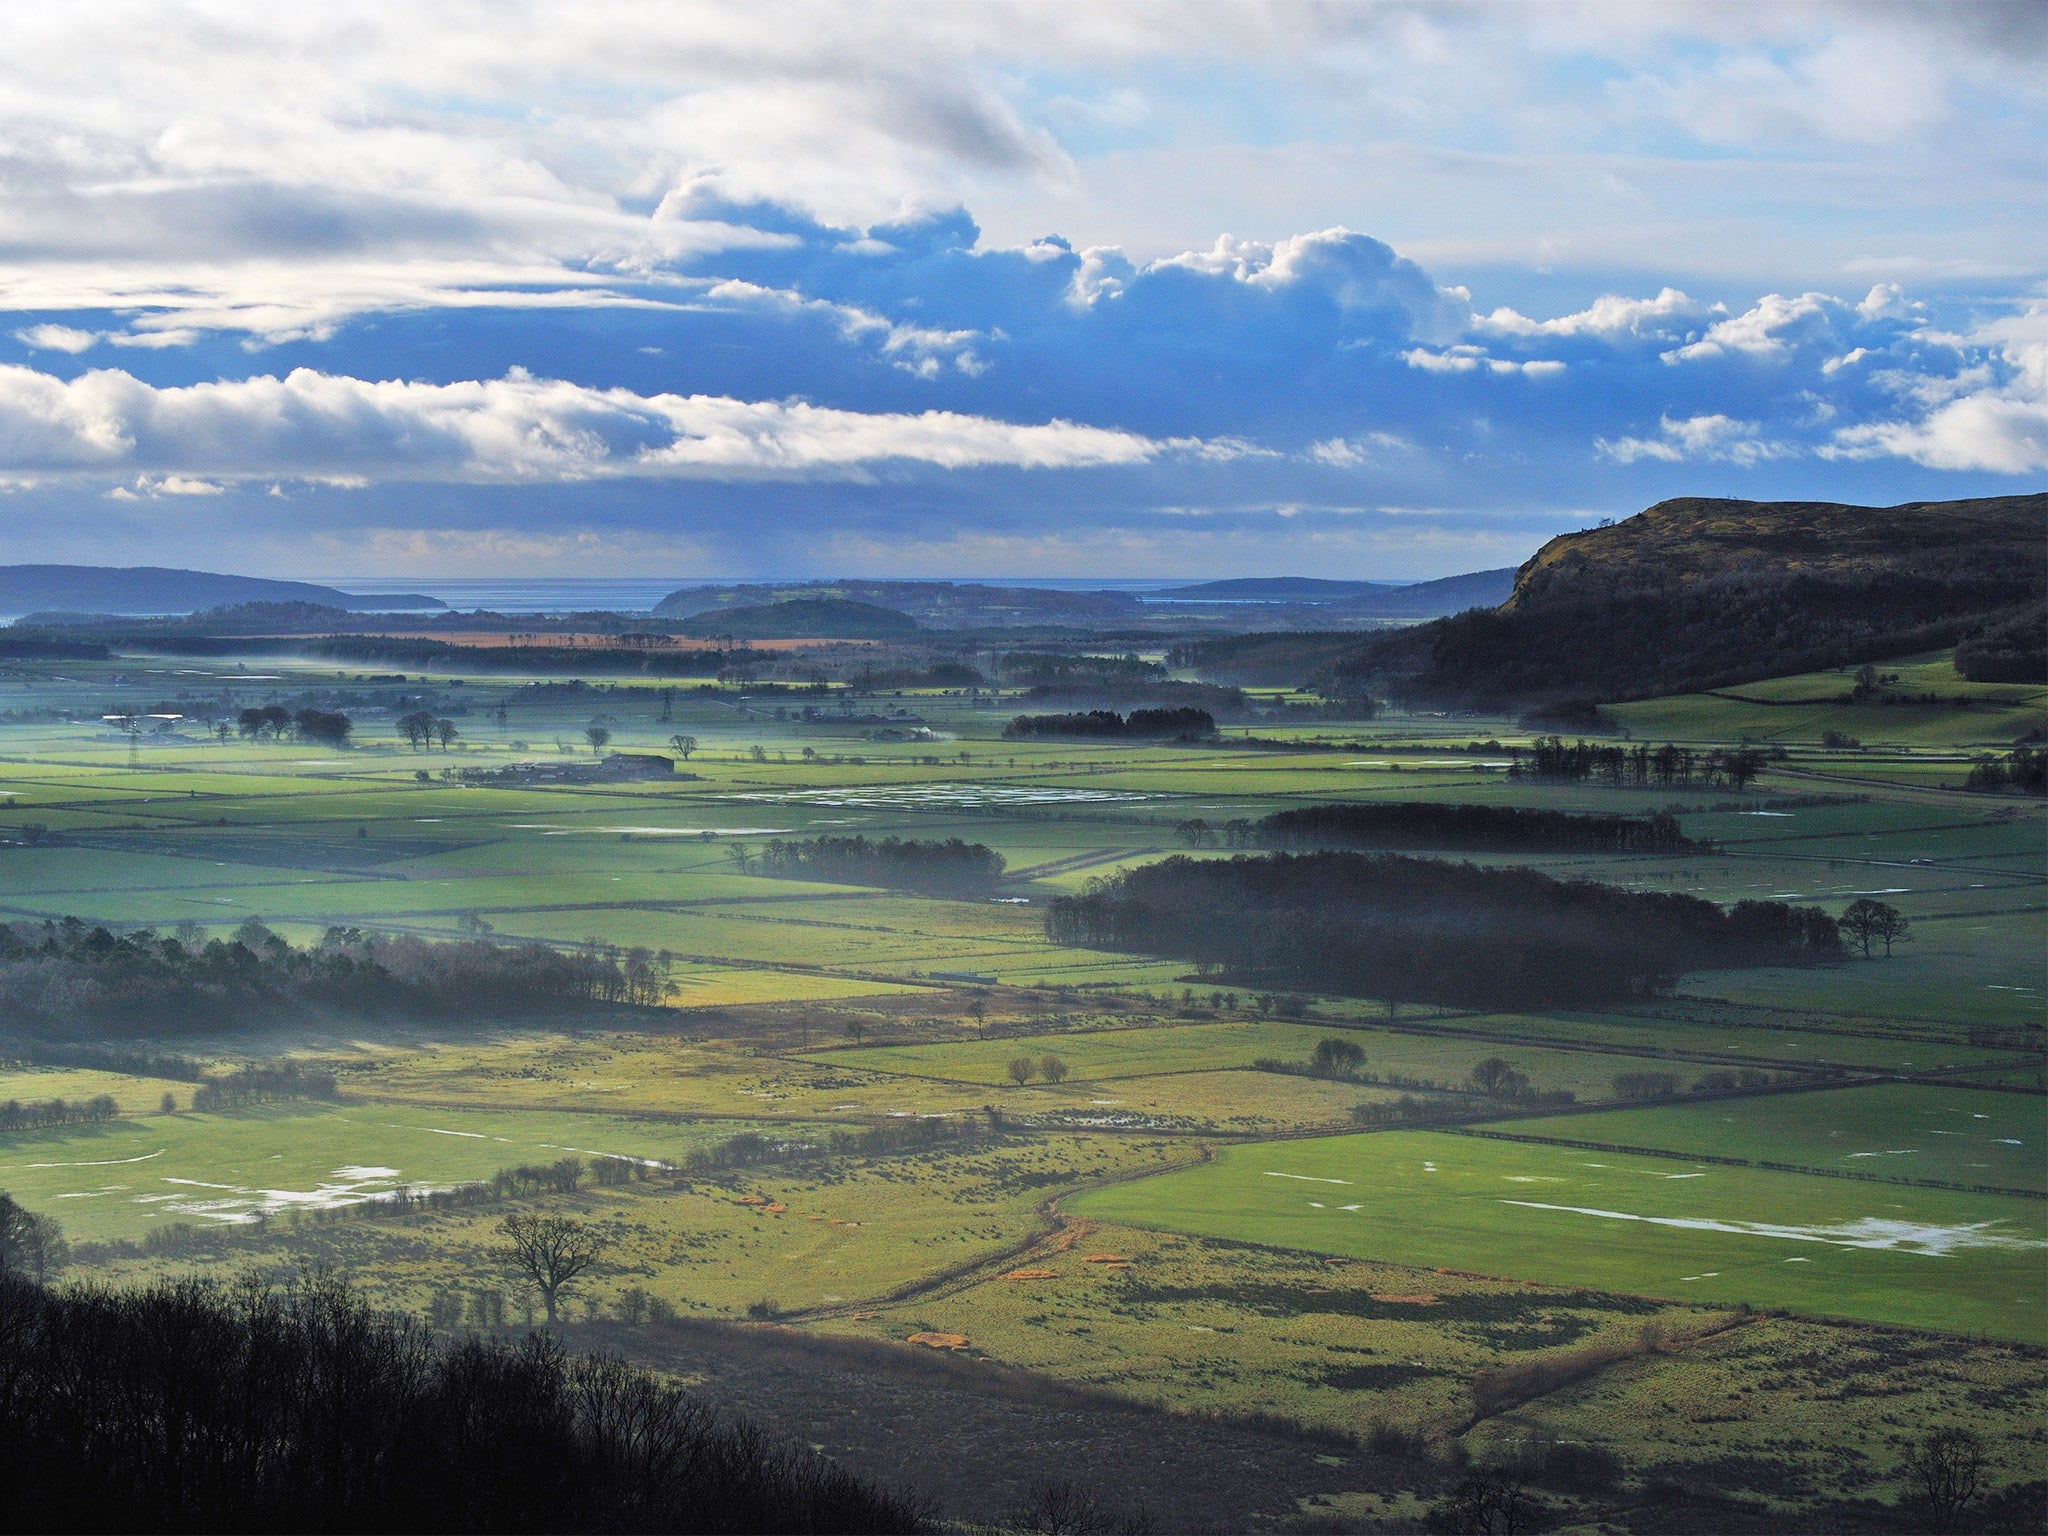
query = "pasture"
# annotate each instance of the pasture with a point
(1615, 1222)
(1895, 1131)
(1251, 1282)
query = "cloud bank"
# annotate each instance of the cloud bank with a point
(318, 426)
(1329, 283)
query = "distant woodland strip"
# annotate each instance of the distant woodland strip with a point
(1427, 930)
(1477, 828)
(1108, 723)
(58, 978)
(949, 867)
(413, 651)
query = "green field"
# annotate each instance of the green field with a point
(119, 1181)
(1073, 1229)
(1639, 1225)
(1889, 1131)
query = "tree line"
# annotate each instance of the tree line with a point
(2024, 768)
(263, 1083)
(1479, 828)
(1108, 723)
(325, 726)
(1638, 767)
(949, 867)
(73, 975)
(1428, 930)
(189, 1406)
(51, 1114)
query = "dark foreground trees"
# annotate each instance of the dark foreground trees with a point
(191, 1407)
(1426, 930)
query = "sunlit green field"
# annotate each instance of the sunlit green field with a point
(1885, 1131)
(1640, 1225)
(1257, 1282)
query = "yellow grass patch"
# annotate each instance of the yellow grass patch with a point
(938, 1340)
(1068, 1236)
(1029, 1274)
(1420, 1299)
(753, 1200)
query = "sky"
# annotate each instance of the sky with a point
(1000, 290)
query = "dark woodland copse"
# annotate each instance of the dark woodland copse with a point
(190, 1407)
(1108, 723)
(2023, 768)
(1638, 767)
(1426, 930)
(2013, 651)
(948, 867)
(1480, 828)
(328, 727)
(73, 975)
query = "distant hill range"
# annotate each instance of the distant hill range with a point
(934, 604)
(1272, 589)
(1700, 593)
(152, 589)
(808, 618)
(1355, 599)
(1275, 602)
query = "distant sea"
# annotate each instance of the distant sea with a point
(638, 595)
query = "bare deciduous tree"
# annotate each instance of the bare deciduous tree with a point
(550, 1252)
(1946, 1470)
(1866, 921)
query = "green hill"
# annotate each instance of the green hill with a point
(1700, 593)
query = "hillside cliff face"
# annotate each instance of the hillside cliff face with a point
(1702, 593)
(1694, 539)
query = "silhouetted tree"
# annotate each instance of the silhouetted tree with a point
(1338, 1057)
(1946, 1470)
(550, 1252)
(1483, 1504)
(417, 728)
(1868, 921)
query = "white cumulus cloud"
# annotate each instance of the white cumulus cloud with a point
(1768, 330)
(1611, 317)
(310, 425)
(1713, 436)
(56, 338)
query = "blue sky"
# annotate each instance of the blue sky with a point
(1000, 290)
